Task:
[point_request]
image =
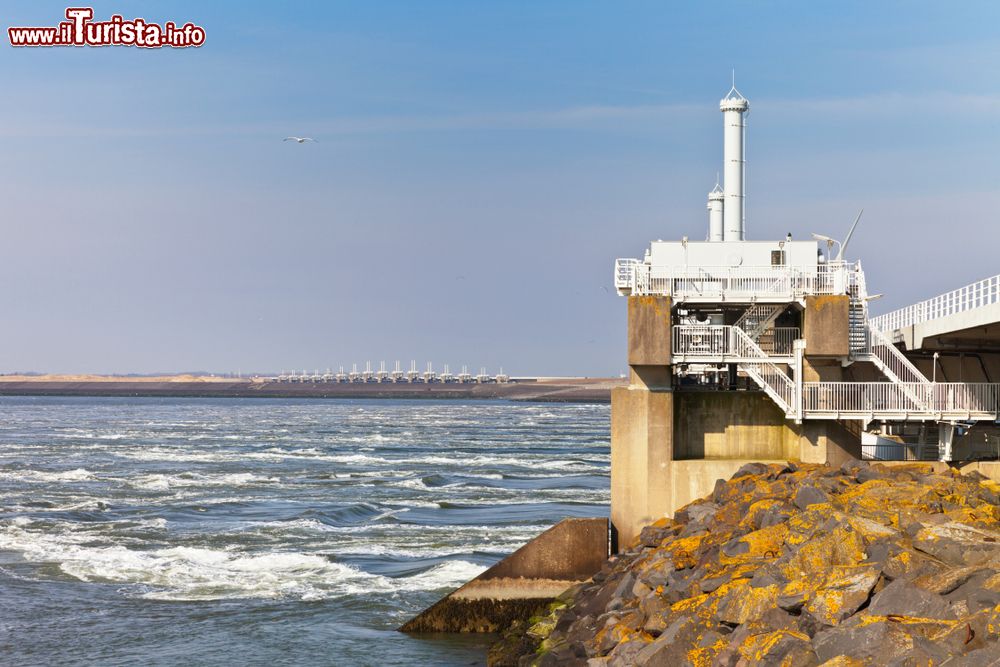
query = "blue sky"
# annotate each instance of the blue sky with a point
(480, 166)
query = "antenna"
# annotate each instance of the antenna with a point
(847, 239)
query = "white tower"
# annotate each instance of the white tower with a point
(715, 226)
(733, 106)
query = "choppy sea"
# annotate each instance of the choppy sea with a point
(148, 531)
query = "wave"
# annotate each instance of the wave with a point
(197, 573)
(463, 459)
(77, 475)
(165, 482)
(142, 453)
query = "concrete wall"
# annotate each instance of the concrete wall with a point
(669, 447)
(825, 326)
(825, 441)
(522, 583)
(691, 480)
(822, 370)
(649, 330)
(980, 366)
(642, 442)
(730, 425)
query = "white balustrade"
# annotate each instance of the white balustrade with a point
(983, 293)
(730, 283)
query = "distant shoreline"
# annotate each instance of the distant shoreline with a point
(553, 390)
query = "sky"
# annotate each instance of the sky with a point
(479, 167)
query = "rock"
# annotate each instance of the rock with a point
(976, 593)
(751, 469)
(876, 643)
(780, 647)
(958, 544)
(775, 514)
(655, 609)
(626, 653)
(652, 536)
(793, 601)
(562, 657)
(947, 581)
(624, 586)
(640, 590)
(988, 656)
(870, 473)
(923, 652)
(843, 592)
(905, 562)
(810, 495)
(903, 598)
(670, 648)
(697, 512)
(852, 466)
(740, 602)
(798, 566)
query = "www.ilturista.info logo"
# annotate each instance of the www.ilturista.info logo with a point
(81, 30)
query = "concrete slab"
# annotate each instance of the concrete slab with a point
(521, 584)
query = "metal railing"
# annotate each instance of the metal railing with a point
(884, 451)
(912, 399)
(890, 360)
(983, 293)
(867, 343)
(763, 371)
(774, 382)
(702, 340)
(777, 341)
(729, 344)
(728, 282)
(758, 317)
(625, 272)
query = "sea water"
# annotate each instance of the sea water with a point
(148, 531)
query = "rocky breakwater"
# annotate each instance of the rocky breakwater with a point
(796, 566)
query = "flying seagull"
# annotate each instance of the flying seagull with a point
(300, 140)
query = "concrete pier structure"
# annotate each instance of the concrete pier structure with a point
(745, 351)
(670, 443)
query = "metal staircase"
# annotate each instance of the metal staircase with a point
(757, 318)
(730, 344)
(767, 355)
(867, 343)
(768, 376)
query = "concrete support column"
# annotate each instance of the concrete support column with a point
(825, 324)
(642, 422)
(642, 443)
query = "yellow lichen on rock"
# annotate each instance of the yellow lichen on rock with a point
(801, 565)
(765, 543)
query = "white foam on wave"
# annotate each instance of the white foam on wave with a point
(597, 461)
(416, 484)
(139, 453)
(163, 482)
(77, 475)
(194, 573)
(311, 454)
